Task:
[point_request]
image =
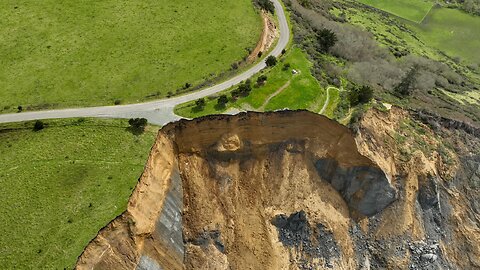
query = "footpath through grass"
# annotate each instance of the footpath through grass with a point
(413, 10)
(300, 90)
(60, 185)
(80, 53)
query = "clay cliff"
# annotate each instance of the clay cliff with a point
(295, 190)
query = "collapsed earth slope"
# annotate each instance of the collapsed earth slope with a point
(284, 190)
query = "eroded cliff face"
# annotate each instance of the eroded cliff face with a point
(285, 190)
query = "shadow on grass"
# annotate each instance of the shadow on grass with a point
(220, 107)
(135, 131)
(197, 109)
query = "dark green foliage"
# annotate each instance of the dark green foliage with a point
(117, 102)
(360, 95)
(259, 54)
(243, 90)
(261, 79)
(137, 125)
(38, 125)
(266, 5)
(222, 100)
(305, 3)
(187, 85)
(271, 61)
(326, 39)
(405, 87)
(20, 108)
(286, 66)
(200, 103)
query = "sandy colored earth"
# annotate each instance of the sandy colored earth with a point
(292, 190)
(269, 34)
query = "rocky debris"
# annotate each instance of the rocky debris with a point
(426, 255)
(430, 202)
(372, 183)
(208, 237)
(295, 231)
(435, 121)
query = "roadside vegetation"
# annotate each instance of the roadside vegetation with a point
(81, 53)
(63, 180)
(287, 84)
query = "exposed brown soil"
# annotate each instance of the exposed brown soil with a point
(269, 34)
(291, 190)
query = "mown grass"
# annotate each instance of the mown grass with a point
(78, 53)
(455, 32)
(303, 91)
(413, 10)
(60, 185)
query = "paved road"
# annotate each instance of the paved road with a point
(157, 112)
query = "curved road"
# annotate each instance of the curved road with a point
(158, 112)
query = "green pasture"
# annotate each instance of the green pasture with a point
(60, 185)
(80, 53)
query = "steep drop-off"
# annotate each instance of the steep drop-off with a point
(285, 190)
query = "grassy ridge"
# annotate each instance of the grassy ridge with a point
(78, 53)
(62, 184)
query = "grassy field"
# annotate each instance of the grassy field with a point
(413, 10)
(298, 91)
(453, 31)
(78, 53)
(60, 185)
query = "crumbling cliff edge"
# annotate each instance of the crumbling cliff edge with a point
(286, 190)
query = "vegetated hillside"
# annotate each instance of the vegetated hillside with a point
(79, 53)
(376, 49)
(295, 190)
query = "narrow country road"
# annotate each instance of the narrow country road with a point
(158, 112)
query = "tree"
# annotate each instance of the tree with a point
(38, 125)
(359, 95)
(365, 94)
(200, 103)
(19, 108)
(261, 79)
(137, 125)
(271, 61)
(405, 87)
(222, 100)
(286, 66)
(266, 5)
(187, 85)
(326, 39)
